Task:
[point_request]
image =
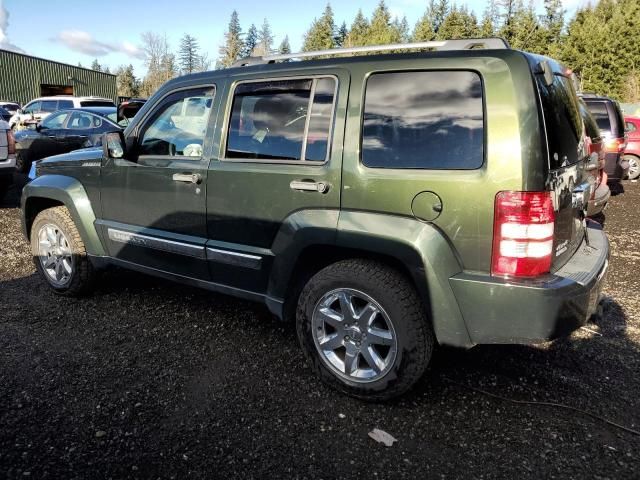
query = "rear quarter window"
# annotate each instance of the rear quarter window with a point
(562, 120)
(601, 114)
(423, 120)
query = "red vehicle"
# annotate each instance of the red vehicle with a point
(632, 151)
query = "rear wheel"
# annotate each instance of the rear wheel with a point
(634, 166)
(364, 329)
(59, 253)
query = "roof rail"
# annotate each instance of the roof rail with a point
(437, 45)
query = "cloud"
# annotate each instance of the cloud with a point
(5, 44)
(83, 42)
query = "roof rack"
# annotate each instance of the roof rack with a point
(437, 45)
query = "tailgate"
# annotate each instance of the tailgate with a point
(567, 157)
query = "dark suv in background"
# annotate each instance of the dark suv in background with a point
(610, 120)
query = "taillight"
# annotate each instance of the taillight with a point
(11, 141)
(615, 145)
(523, 229)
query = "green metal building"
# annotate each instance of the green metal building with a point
(23, 78)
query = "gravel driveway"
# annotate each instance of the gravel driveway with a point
(148, 379)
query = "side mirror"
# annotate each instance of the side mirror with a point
(19, 111)
(113, 145)
(39, 127)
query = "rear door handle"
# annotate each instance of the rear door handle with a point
(195, 178)
(320, 187)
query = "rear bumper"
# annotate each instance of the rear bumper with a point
(498, 310)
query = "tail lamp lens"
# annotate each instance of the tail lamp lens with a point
(523, 231)
(11, 141)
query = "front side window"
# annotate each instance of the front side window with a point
(282, 120)
(55, 121)
(32, 108)
(178, 125)
(423, 120)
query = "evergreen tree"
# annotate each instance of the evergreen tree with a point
(402, 29)
(458, 23)
(341, 35)
(96, 66)
(358, 32)
(233, 46)
(250, 42)
(525, 32)
(284, 47)
(265, 40)
(126, 82)
(381, 31)
(438, 10)
(188, 54)
(321, 35)
(423, 31)
(490, 19)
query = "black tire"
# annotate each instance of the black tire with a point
(23, 165)
(400, 301)
(83, 275)
(5, 183)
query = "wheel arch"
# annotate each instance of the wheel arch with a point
(59, 190)
(418, 250)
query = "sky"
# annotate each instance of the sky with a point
(73, 31)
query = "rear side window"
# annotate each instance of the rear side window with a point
(63, 104)
(630, 127)
(286, 120)
(425, 120)
(601, 114)
(49, 106)
(562, 120)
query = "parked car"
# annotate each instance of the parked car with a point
(7, 158)
(609, 118)
(63, 132)
(595, 146)
(11, 107)
(128, 109)
(632, 150)
(5, 115)
(385, 203)
(38, 109)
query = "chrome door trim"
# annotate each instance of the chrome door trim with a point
(139, 240)
(236, 259)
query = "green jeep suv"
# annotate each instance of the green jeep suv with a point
(387, 203)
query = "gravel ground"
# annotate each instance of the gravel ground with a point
(148, 379)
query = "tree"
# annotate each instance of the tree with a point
(490, 19)
(359, 31)
(96, 66)
(381, 32)
(265, 40)
(188, 55)
(250, 42)
(341, 35)
(321, 35)
(423, 31)
(402, 28)
(233, 47)
(438, 10)
(126, 82)
(284, 47)
(160, 62)
(458, 23)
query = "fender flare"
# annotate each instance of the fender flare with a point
(71, 193)
(420, 246)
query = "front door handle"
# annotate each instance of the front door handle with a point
(320, 187)
(195, 178)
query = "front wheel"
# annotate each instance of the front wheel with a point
(364, 329)
(634, 166)
(23, 165)
(59, 253)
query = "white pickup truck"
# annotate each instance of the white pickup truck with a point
(7, 157)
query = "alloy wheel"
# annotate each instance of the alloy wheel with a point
(55, 254)
(354, 335)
